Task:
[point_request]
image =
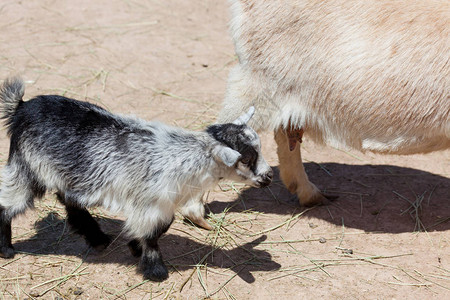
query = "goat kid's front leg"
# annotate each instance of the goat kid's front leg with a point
(292, 172)
(151, 264)
(194, 211)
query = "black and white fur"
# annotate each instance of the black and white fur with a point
(91, 157)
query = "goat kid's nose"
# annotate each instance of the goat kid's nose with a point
(266, 179)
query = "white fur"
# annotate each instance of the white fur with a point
(368, 75)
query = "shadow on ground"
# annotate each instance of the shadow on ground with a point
(371, 198)
(53, 238)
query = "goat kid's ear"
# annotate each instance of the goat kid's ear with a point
(245, 117)
(226, 155)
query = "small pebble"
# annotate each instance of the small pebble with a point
(322, 240)
(347, 251)
(312, 225)
(34, 294)
(77, 291)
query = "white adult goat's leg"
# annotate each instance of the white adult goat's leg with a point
(293, 173)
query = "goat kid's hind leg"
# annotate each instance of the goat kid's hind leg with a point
(83, 223)
(17, 192)
(292, 172)
(152, 265)
(6, 248)
(135, 247)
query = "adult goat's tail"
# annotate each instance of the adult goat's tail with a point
(11, 94)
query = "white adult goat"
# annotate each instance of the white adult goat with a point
(368, 75)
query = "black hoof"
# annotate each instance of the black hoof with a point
(157, 272)
(100, 242)
(7, 252)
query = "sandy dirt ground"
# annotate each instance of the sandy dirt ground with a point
(386, 237)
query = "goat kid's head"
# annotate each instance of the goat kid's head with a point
(240, 148)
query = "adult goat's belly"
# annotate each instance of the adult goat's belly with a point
(347, 79)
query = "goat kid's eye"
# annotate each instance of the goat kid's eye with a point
(245, 161)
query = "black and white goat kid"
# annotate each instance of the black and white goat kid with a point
(90, 157)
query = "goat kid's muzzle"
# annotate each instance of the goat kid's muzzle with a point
(265, 179)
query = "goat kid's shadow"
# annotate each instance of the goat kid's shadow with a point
(370, 197)
(52, 238)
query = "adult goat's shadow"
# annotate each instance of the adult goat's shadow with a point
(371, 197)
(52, 238)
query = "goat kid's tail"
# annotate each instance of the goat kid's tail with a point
(11, 94)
